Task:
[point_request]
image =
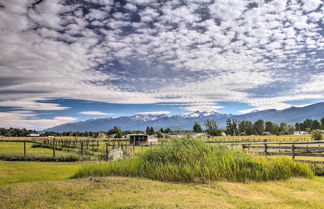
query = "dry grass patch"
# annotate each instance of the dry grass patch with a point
(122, 192)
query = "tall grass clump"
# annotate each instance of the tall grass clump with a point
(190, 160)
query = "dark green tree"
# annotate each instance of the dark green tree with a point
(150, 130)
(322, 123)
(315, 125)
(116, 131)
(246, 127)
(271, 127)
(196, 128)
(307, 124)
(283, 128)
(258, 127)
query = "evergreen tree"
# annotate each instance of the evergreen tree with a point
(315, 125)
(197, 128)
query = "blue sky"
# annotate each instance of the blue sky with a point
(64, 61)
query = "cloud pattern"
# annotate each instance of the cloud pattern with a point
(262, 52)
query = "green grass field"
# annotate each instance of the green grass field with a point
(122, 192)
(13, 172)
(17, 148)
(49, 185)
(261, 138)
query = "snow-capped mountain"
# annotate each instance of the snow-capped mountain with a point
(140, 121)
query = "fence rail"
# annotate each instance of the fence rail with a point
(102, 147)
(293, 149)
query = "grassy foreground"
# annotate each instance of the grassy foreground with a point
(123, 192)
(190, 160)
(12, 172)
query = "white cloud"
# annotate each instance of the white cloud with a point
(202, 108)
(154, 113)
(94, 113)
(310, 5)
(29, 120)
(214, 52)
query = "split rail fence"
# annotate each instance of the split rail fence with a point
(298, 148)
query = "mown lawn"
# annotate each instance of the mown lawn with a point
(12, 172)
(17, 148)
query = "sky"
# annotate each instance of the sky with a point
(70, 60)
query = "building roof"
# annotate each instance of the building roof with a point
(137, 134)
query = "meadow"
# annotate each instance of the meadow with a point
(54, 184)
(261, 138)
(191, 160)
(214, 138)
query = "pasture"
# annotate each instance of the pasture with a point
(126, 192)
(50, 185)
(260, 138)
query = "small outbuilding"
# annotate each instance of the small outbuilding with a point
(33, 135)
(142, 139)
(101, 134)
(299, 133)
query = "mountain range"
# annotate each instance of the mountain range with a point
(140, 122)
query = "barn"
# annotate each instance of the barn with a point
(142, 139)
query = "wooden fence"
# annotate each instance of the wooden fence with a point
(293, 149)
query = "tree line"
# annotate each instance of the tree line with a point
(235, 127)
(14, 132)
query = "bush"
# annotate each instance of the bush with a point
(189, 160)
(316, 135)
(318, 169)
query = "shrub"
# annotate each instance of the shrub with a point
(318, 169)
(316, 135)
(189, 160)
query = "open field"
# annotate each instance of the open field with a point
(261, 138)
(17, 149)
(31, 138)
(122, 192)
(12, 172)
(48, 185)
(215, 138)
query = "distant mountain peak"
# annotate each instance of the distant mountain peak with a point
(141, 121)
(145, 117)
(199, 114)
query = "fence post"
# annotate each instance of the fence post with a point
(107, 151)
(25, 149)
(265, 149)
(293, 151)
(53, 147)
(243, 147)
(81, 152)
